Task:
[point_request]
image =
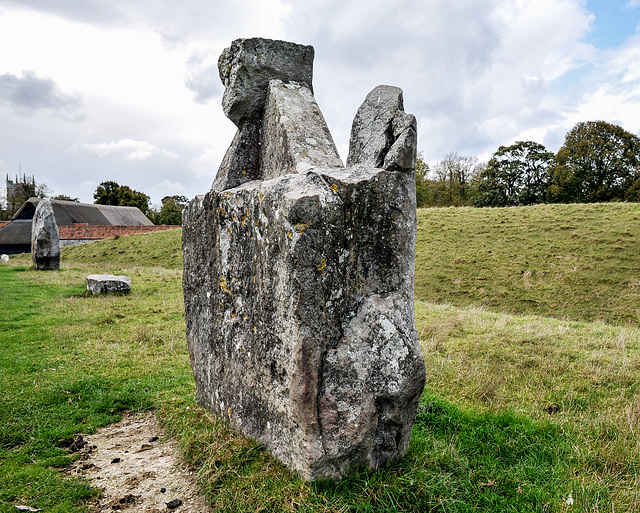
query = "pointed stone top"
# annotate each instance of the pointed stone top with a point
(247, 66)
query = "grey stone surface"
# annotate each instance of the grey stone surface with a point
(241, 163)
(299, 298)
(108, 283)
(295, 136)
(45, 238)
(247, 66)
(382, 134)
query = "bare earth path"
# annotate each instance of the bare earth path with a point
(138, 469)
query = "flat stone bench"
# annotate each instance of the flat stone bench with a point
(108, 283)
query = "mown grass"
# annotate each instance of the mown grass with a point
(482, 440)
(577, 261)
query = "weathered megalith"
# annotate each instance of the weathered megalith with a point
(45, 238)
(298, 281)
(108, 283)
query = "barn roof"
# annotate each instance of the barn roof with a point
(69, 212)
(17, 232)
(15, 237)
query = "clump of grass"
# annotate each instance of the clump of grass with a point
(567, 261)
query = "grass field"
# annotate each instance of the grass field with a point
(482, 440)
(578, 262)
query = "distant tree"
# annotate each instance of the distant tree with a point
(451, 182)
(20, 190)
(112, 193)
(598, 161)
(422, 182)
(515, 175)
(171, 210)
(64, 197)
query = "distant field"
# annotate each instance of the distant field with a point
(483, 440)
(566, 261)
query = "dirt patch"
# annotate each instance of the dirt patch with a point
(137, 468)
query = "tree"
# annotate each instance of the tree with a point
(452, 183)
(171, 210)
(515, 175)
(422, 182)
(112, 193)
(64, 197)
(598, 161)
(20, 190)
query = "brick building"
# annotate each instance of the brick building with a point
(77, 223)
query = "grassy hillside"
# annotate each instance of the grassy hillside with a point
(483, 440)
(566, 261)
(155, 249)
(578, 262)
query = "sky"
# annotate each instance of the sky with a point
(128, 90)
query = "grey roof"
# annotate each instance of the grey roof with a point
(69, 212)
(16, 232)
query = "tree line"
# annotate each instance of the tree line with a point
(598, 162)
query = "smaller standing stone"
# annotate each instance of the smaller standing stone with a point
(382, 134)
(108, 283)
(5, 259)
(45, 238)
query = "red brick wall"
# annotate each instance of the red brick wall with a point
(82, 231)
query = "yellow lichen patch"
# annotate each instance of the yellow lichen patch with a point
(323, 264)
(223, 285)
(334, 187)
(290, 235)
(301, 227)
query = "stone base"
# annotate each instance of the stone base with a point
(43, 263)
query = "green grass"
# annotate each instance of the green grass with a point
(155, 249)
(577, 262)
(482, 440)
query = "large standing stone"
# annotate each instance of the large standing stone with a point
(45, 238)
(299, 298)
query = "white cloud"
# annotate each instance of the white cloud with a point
(206, 164)
(126, 149)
